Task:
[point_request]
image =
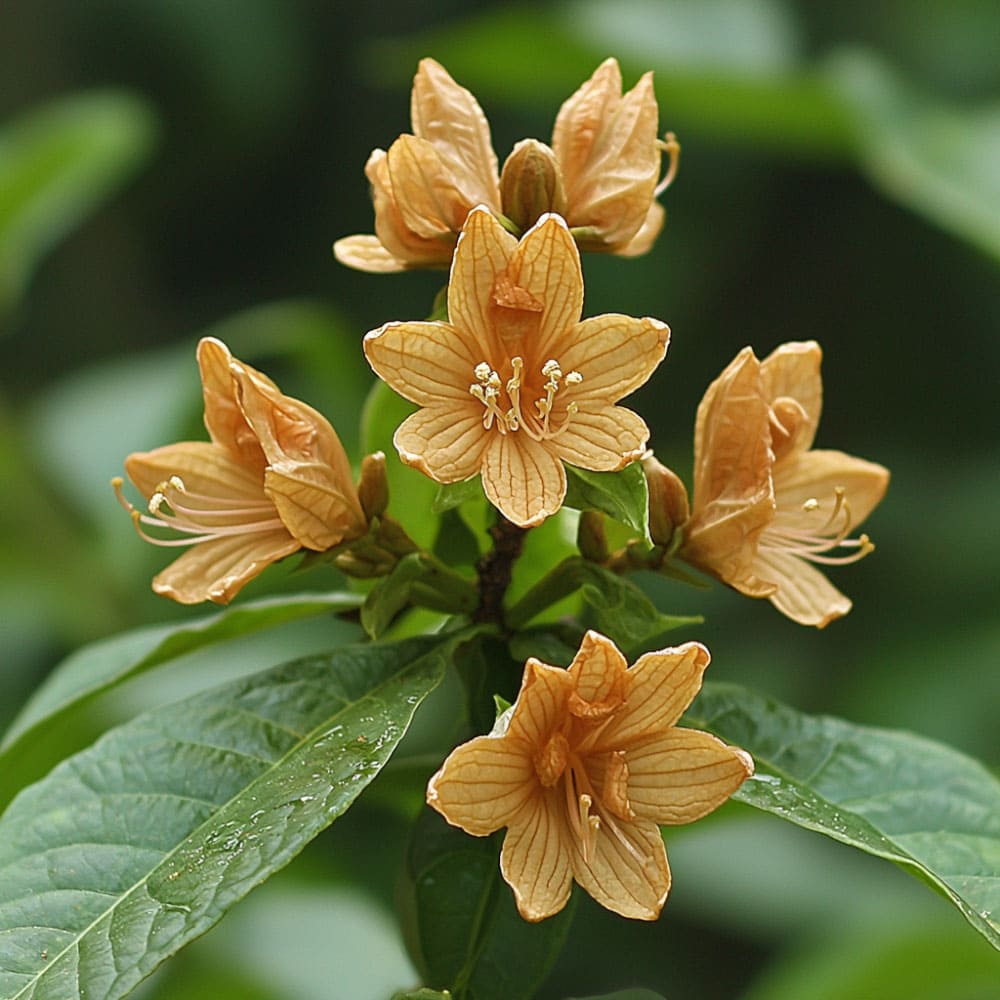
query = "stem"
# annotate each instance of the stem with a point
(560, 582)
(495, 570)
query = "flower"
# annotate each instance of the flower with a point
(601, 173)
(767, 507)
(581, 771)
(515, 384)
(273, 479)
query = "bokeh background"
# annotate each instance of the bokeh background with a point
(170, 168)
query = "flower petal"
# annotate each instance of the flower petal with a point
(430, 204)
(546, 265)
(523, 479)
(598, 669)
(627, 871)
(615, 354)
(792, 371)
(733, 493)
(223, 416)
(535, 860)
(366, 253)
(643, 240)
(483, 251)
(483, 784)
(603, 440)
(426, 363)
(204, 467)
(683, 775)
(804, 594)
(447, 115)
(661, 686)
(219, 569)
(445, 444)
(540, 708)
(817, 475)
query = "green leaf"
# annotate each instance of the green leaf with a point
(625, 614)
(57, 163)
(464, 929)
(634, 994)
(624, 495)
(423, 994)
(102, 665)
(911, 800)
(455, 494)
(130, 849)
(456, 543)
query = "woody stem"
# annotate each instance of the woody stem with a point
(495, 570)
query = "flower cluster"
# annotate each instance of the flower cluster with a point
(513, 386)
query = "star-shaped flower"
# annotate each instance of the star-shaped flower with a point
(601, 173)
(767, 507)
(515, 383)
(273, 479)
(582, 770)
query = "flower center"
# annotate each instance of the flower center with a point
(515, 416)
(199, 516)
(787, 534)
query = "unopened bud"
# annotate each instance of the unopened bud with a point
(668, 501)
(531, 184)
(373, 487)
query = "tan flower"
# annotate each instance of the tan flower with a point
(273, 479)
(767, 507)
(583, 769)
(515, 384)
(601, 173)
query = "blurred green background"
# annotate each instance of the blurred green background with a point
(175, 167)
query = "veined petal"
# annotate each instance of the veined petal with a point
(598, 669)
(682, 775)
(426, 363)
(602, 439)
(644, 239)
(484, 250)
(804, 594)
(582, 116)
(217, 570)
(430, 204)
(447, 115)
(546, 264)
(445, 443)
(483, 784)
(817, 475)
(627, 871)
(615, 354)
(318, 513)
(792, 371)
(535, 860)
(523, 479)
(223, 417)
(661, 686)
(541, 704)
(366, 253)
(204, 467)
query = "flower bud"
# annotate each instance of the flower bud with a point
(591, 538)
(531, 184)
(373, 487)
(668, 500)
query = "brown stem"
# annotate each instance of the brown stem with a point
(495, 570)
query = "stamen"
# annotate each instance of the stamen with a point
(814, 545)
(669, 145)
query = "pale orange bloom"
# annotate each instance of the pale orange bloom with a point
(583, 769)
(273, 479)
(601, 173)
(515, 383)
(768, 508)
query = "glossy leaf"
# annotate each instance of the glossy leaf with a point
(624, 495)
(464, 929)
(130, 849)
(451, 495)
(911, 800)
(102, 665)
(633, 994)
(57, 163)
